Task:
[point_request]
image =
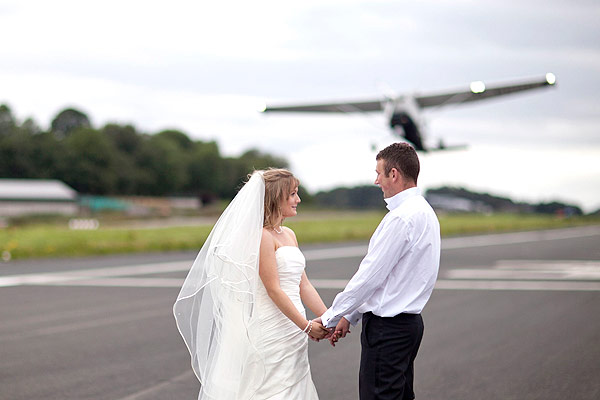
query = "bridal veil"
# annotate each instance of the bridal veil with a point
(215, 309)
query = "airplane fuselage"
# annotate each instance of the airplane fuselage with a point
(405, 119)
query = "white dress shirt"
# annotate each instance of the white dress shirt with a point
(399, 271)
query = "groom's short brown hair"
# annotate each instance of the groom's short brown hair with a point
(403, 157)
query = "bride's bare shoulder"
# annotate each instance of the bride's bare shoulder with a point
(291, 233)
(268, 244)
(266, 233)
(267, 237)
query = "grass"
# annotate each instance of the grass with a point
(52, 240)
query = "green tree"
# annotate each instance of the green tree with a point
(90, 162)
(255, 159)
(7, 121)
(179, 138)
(204, 168)
(119, 160)
(22, 154)
(125, 138)
(31, 127)
(17, 155)
(69, 120)
(162, 169)
(236, 170)
(48, 156)
(233, 173)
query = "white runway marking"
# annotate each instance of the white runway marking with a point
(329, 283)
(122, 282)
(532, 270)
(448, 284)
(506, 275)
(465, 242)
(335, 253)
(575, 275)
(58, 278)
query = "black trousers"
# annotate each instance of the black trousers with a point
(389, 347)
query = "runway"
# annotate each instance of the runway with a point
(513, 316)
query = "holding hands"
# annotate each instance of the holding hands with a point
(316, 331)
(340, 331)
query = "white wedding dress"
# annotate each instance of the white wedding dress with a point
(242, 346)
(284, 347)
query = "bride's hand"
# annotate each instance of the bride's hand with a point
(318, 331)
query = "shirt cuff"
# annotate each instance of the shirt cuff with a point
(354, 318)
(326, 318)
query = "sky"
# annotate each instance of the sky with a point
(206, 67)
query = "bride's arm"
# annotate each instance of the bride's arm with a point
(270, 279)
(310, 296)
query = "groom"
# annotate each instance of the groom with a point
(393, 282)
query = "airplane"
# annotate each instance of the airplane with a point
(404, 112)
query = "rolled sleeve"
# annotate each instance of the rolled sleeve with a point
(354, 318)
(386, 249)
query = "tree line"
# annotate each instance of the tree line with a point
(370, 197)
(119, 160)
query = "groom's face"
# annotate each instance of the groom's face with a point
(383, 181)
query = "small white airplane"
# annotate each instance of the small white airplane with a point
(404, 112)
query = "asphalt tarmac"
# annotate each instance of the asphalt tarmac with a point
(513, 316)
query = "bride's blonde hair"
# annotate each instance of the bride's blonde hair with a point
(279, 183)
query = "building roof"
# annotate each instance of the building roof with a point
(36, 189)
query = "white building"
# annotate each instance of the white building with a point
(36, 196)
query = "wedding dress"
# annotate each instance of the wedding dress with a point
(284, 345)
(242, 346)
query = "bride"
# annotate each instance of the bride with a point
(240, 310)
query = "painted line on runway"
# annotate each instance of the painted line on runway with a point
(335, 253)
(82, 277)
(465, 242)
(566, 270)
(114, 276)
(329, 283)
(468, 284)
(452, 284)
(56, 278)
(122, 282)
(173, 282)
(340, 284)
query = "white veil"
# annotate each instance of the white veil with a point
(215, 311)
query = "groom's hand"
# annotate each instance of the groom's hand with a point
(342, 328)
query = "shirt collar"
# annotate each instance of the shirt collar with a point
(395, 201)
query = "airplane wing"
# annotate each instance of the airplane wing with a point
(341, 107)
(479, 91)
